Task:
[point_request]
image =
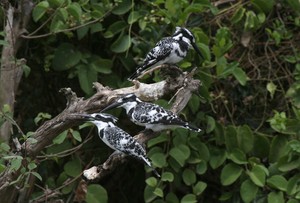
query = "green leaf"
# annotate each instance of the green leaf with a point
(76, 136)
(122, 7)
(159, 139)
(271, 87)
(230, 173)
(199, 146)
(189, 198)
(211, 124)
(73, 168)
(188, 176)
(158, 192)
(293, 185)
(133, 17)
(41, 116)
(60, 138)
(101, 65)
(278, 182)
(238, 15)
(114, 29)
(39, 10)
(152, 182)
(288, 163)
(96, 27)
(258, 176)
(65, 57)
(262, 5)
(15, 163)
(278, 146)
(248, 191)
(246, 138)
(172, 198)
(122, 44)
(86, 76)
(167, 176)
(201, 168)
(238, 156)
(159, 159)
(217, 158)
(240, 75)
(96, 194)
(231, 139)
(149, 196)
(56, 3)
(295, 5)
(180, 153)
(199, 188)
(75, 10)
(37, 175)
(4, 147)
(262, 146)
(31, 166)
(275, 197)
(82, 32)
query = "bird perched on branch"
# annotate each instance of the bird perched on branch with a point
(151, 116)
(116, 138)
(169, 50)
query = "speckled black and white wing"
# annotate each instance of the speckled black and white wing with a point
(157, 118)
(155, 56)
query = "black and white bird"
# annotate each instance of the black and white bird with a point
(116, 138)
(169, 50)
(152, 116)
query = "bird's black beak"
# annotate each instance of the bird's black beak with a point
(83, 117)
(111, 106)
(197, 50)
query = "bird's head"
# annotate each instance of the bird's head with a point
(127, 101)
(98, 118)
(187, 36)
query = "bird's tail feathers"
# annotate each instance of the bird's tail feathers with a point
(190, 127)
(147, 161)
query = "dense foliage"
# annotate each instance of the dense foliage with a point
(248, 105)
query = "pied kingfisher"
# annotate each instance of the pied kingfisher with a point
(169, 50)
(149, 115)
(116, 138)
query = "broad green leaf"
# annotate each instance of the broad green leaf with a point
(238, 15)
(201, 168)
(75, 10)
(246, 138)
(230, 173)
(73, 168)
(288, 163)
(133, 17)
(292, 201)
(180, 154)
(86, 76)
(205, 51)
(262, 5)
(122, 44)
(65, 57)
(31, 166)
(82, 32)
(152, 182)
(199, 146)
(278, 147)
(149, 196)
(60, 138)
(101, 65)
(57, 24)
(159, 159)
(258, 176)
(171, 198)
(295, 5)
(159, 139)
(4, 147)
(231, 139)
(39, 10)
(15, 163)
(123, 7)
(211, 124)
(218, 157)
(199, 188)
(158, 192)
(189, 198)
(37, 175)
(277, 182)
(167, 176)
(189, 176)
(56, 3)
(96, 27)
(293, 185)
(262, 146)
(248, 191)
(96, 194)
(240, 75)
(114, 29)
(237, 156)
(275, 197)
(76, 135)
